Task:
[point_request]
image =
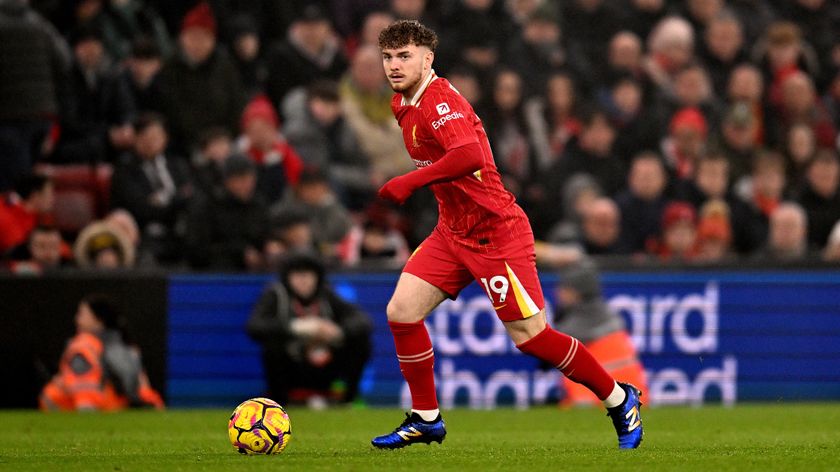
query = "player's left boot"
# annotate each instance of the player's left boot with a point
(627, 418)
(412, 430)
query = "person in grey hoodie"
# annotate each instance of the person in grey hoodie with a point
(583, 313)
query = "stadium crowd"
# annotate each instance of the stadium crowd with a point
(221, 135)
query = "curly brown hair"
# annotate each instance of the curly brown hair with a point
(404, 32)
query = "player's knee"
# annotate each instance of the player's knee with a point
(521, 331)
(401, 311)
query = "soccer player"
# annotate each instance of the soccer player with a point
(481, 234)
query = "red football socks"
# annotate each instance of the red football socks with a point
(417, 361)
(572, 358)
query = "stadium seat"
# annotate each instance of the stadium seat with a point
(82, 193)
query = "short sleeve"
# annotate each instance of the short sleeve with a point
(450, 119)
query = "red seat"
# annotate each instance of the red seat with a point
(82, 193)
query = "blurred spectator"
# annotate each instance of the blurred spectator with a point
(317, 129)
(686, 141)
(722, 49)
(121, 22)
(552, 119)
(465, 81)
(583, 313)
(763, 191)
(279, 165)
(31, 97)
(831, 99)
(214, 148)
(248, 54)
(587, 26)
(579, 193)
(800, 147)
(376, 242)
(474, 33)
(21, 211)
(747, 86)
(818, 21)
(123, 222)
(43, 253)
(781, 53)
(738, 138)
(691, 89)
(624, 55)
(310, 52)
(787, 239)
(714, 233)
(678, 240)
(799, 104)
(98, 125)
(200, 84)
(99, 369)
(701, 12)
(641, 16)
(711, 183)
(373, 23)
(590, 153)
(642, 203)
(314, 197)
(103, 246)
(292, 229)
(227, 231)
(507, 131)
(366, 101)
(637, 128)
(413, 10)
(540, 52)
(670, 48)
(601, 227)
(820, 196)
(314, 343)
(153, 186)
(142, 73)
(831, 253)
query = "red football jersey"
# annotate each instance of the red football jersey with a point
(436, 120)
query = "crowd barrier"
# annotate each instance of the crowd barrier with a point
(704, 336)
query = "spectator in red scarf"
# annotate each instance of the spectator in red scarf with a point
(278, 162)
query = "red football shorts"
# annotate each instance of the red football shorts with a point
(506, 271)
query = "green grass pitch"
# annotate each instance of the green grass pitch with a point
(747, 437)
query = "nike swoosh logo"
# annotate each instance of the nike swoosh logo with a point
(499, 307)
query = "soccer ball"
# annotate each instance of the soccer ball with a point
(259, 426)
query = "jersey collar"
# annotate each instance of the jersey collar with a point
(429, 78)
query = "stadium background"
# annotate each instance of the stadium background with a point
(763, 333)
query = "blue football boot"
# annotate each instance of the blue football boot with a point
(627, 418)
(412, 430)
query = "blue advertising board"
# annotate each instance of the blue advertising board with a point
(703, 336)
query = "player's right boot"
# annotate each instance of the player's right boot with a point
(412, 430)
(627, 418)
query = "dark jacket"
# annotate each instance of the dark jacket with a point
(270, 322)
(196, 97)
(33, 64)
(822, 212)
(131, 188)
(289, 68)
(219, 229)
(93, 109)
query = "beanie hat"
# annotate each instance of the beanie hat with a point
(201, 16)
(260, 108)
(691, 118)
(677, 212)
(583, 277)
